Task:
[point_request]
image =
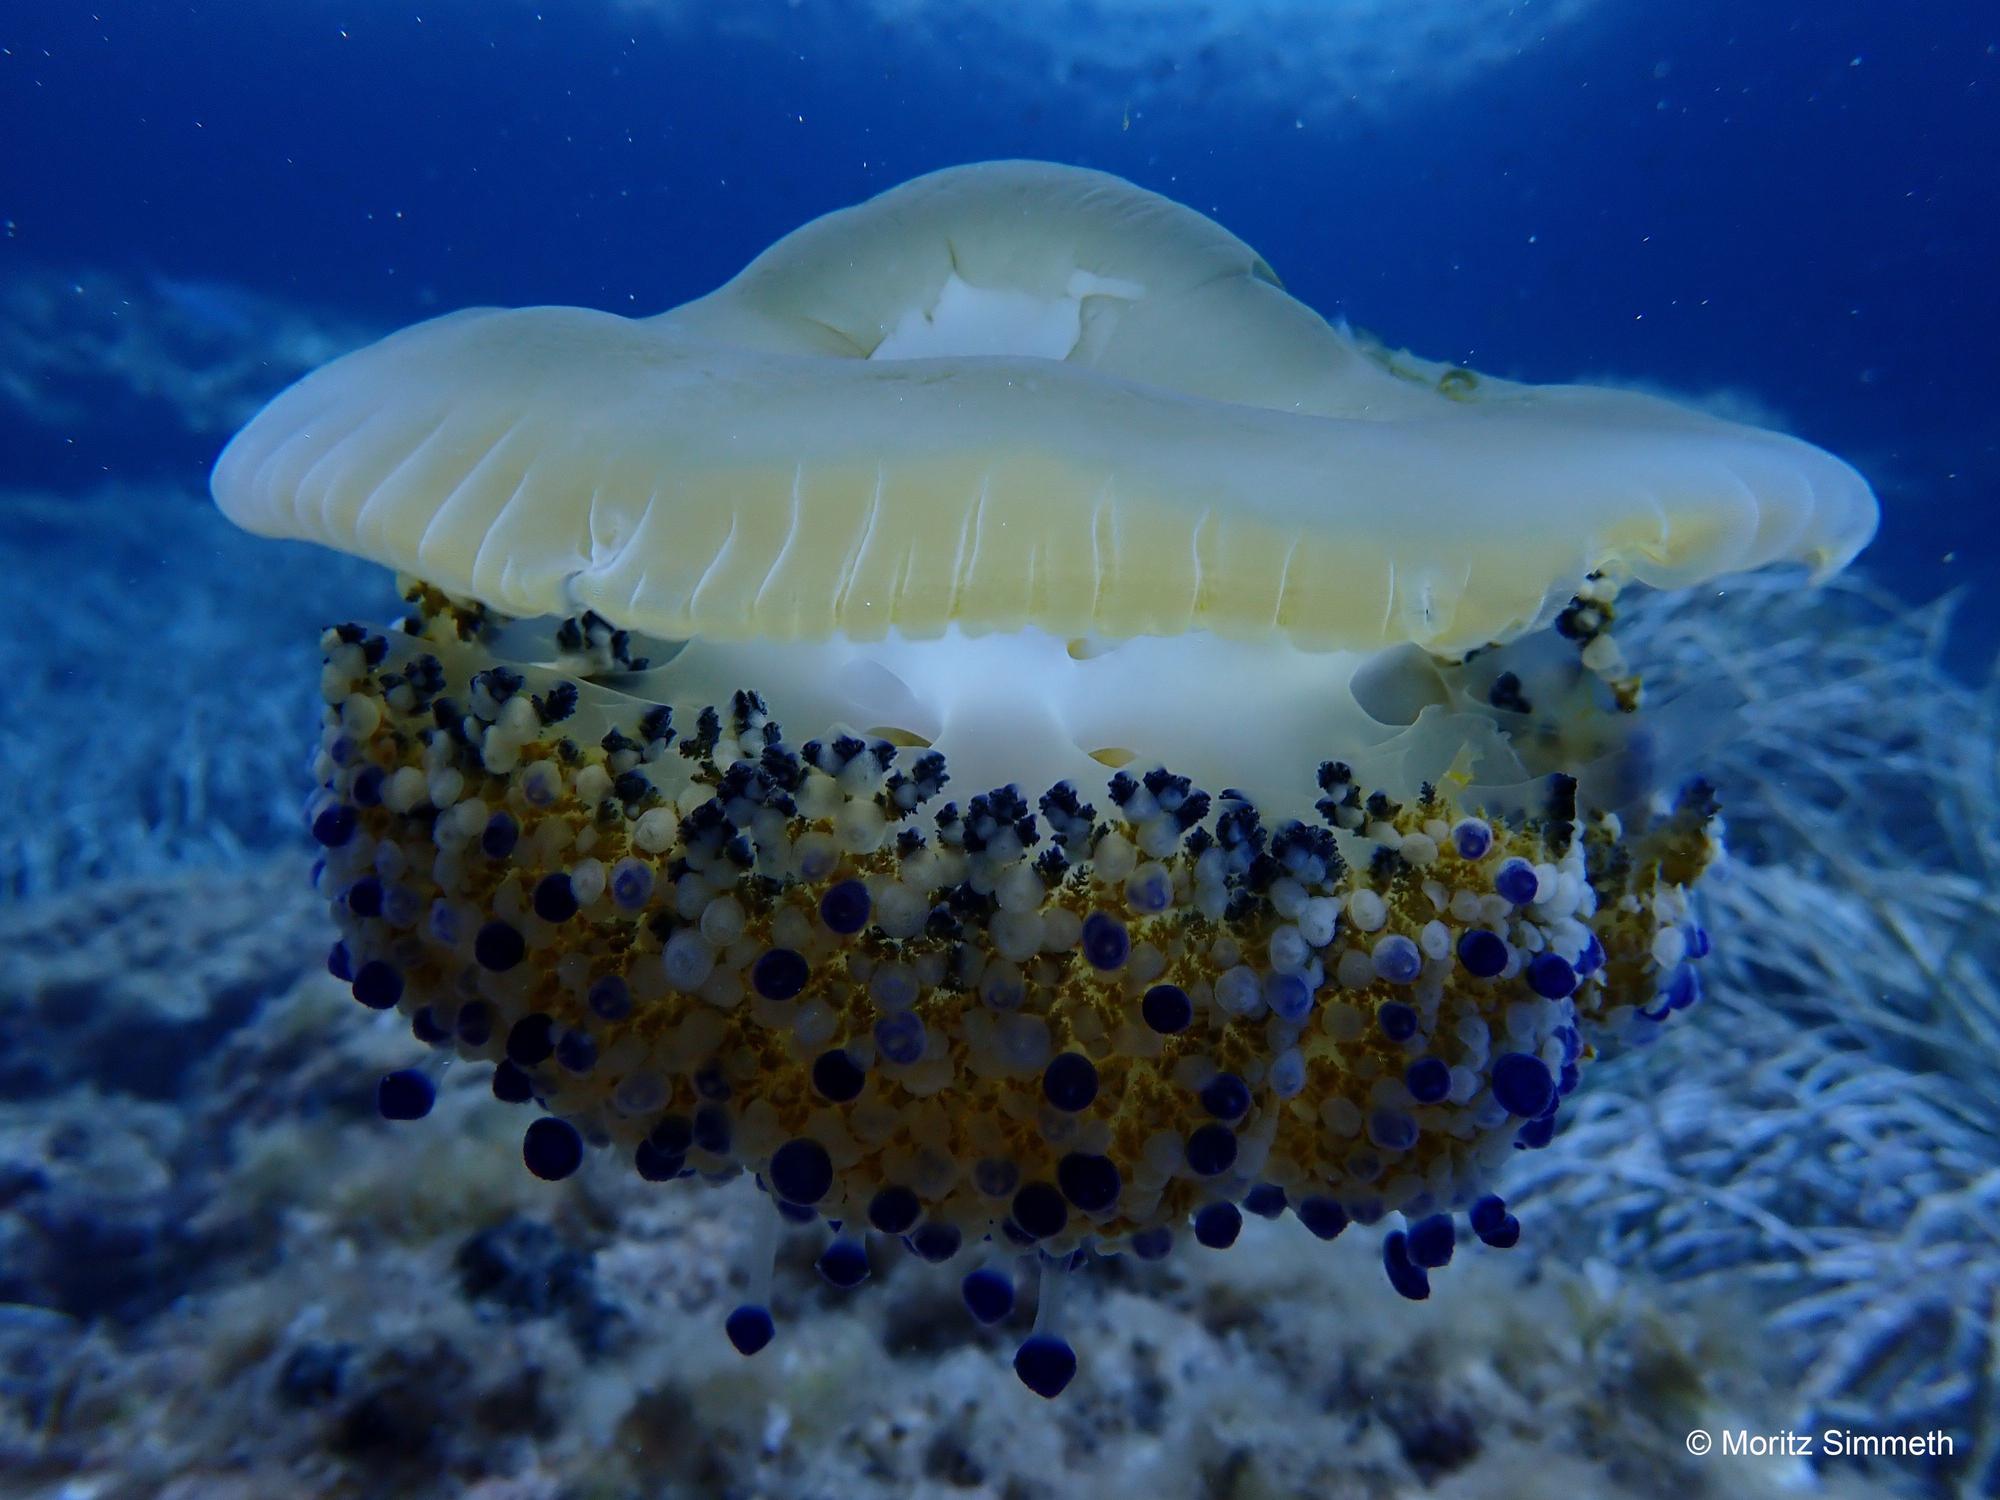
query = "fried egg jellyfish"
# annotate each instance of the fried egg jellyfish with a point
(1009, 728)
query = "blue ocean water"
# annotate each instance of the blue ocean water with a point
(1788, 212)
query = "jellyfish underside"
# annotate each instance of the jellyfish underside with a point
(520, 821)
(1033, 709)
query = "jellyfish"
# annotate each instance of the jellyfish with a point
(1008, 730)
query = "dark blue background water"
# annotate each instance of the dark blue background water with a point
(1794, 200)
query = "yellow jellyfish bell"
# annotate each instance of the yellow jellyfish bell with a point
(1004, 724)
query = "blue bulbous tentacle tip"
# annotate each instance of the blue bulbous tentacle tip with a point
(1266, 1200)
(1430, 1241)
(1324, 1217)
(988, 1294)
(1405, 1275)
(1216, 1225)
(1156, 1243)
(750, 1328)
(844, 1263)
(1045, 1365)
(405, 1094)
